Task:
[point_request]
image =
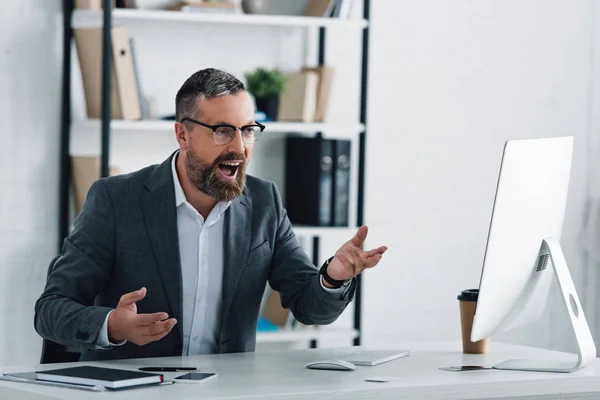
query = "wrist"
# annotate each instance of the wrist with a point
(113, 335)
(327, 284)
(329, 281)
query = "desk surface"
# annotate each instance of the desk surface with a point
(281, 375)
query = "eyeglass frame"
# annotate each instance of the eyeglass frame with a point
(215, 127)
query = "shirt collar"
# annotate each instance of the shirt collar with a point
(179, 194)
(180, 198)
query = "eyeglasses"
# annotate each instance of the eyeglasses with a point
(224, 133)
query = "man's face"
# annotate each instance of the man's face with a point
(219, 170)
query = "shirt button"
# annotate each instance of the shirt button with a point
(195, 338)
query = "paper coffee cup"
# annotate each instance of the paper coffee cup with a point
(468, 304)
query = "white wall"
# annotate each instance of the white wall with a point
(591, 270)
(449, 83)
(30, 72)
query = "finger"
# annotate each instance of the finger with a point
(373, 261)
(132, 297)
(154, 338)
(371, 253)
(358, 261)
(148, 319)
(360, 236)
(158, 328)
(351, 255)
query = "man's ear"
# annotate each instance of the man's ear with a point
(180, 135)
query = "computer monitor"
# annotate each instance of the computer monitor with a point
(523, 249)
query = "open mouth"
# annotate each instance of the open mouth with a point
(229, 169)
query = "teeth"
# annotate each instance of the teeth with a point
(232, 164)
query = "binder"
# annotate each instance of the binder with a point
(299, 99)
(309, 180)
(341, 185)
(91, 4)
(126, 4)
(144, 111)
(125, 101)
(319, 8)
(325, 75)
(85, 171)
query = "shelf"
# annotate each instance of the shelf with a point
(305, 334)
(83, 17)
(93, 125)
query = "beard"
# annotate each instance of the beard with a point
(205, 177)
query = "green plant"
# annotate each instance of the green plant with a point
(263, 83)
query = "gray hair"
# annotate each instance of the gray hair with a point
(206, 83)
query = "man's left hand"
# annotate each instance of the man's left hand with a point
(350, 260)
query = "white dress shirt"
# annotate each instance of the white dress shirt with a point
(201, 255)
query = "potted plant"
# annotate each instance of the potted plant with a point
(266, 86)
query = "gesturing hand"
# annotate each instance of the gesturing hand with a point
(124, 323)
(350, 260)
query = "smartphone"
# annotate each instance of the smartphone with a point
(464, 368)
(195, 377)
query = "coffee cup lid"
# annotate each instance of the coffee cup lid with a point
(468, 295)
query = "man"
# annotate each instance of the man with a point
(174, 259)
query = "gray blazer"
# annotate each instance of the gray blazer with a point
(126, 237)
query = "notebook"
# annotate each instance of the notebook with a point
(97, 376)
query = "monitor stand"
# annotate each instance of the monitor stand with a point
(586, 350)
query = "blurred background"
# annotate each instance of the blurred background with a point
(392, 113)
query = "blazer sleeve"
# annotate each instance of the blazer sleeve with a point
(65, 312)
(297, 279)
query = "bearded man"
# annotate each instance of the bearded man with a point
(174, 259)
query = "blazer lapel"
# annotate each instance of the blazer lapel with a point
(160, 215)
(236, 243)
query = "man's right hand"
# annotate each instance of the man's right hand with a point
(124, 323)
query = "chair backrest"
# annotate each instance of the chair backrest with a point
(53, 352)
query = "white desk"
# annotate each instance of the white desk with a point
(281, 375)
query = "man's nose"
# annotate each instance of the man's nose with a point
(237, 143)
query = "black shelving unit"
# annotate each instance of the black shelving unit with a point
(56, 353)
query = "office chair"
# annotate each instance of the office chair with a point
(53, 352)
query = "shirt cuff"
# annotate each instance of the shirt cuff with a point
(103, 343)
(336, 292)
